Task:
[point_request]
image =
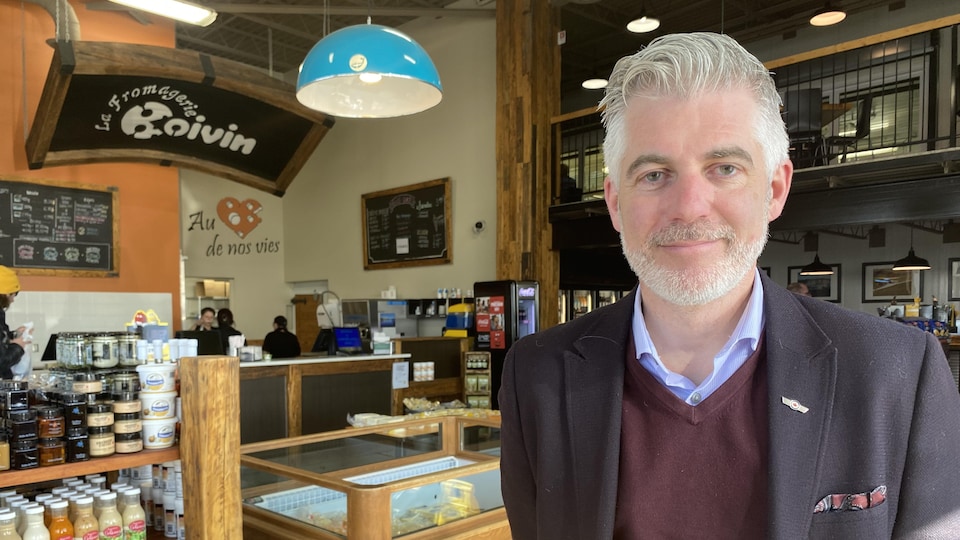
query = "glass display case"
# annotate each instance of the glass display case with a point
(429, 478)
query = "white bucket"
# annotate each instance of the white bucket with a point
(158, 405)
(157, 378)
(159, 433)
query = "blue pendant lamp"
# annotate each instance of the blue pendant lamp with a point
(368, 71)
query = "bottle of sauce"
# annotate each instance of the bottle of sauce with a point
(35, 530)
(8, 526)
(134, 518)
(60, 527)
(85, 526)
(110, 521)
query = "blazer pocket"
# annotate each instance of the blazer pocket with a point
(851, 524)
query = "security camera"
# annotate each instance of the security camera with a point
(479, 226)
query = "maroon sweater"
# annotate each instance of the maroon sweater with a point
(693, 472)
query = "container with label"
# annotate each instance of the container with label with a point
(126, 402)
(49, 422)
(157, 377)
(51, 451)
(104, 347)
(4, 453)
(85, 526)
(22, 425)
(159, 433)
(99, 415)
(127, 422)
(127, 349)
(110, 520)
(134, 517)
(74, 409)
(77, 445)
(158, 405)
(86, 382)
(102, 442)
(128, 443)
(124, 381)
(60, 527)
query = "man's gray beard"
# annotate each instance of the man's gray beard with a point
(701, 284)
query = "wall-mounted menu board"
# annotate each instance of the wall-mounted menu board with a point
(50, 227)
(407, 226)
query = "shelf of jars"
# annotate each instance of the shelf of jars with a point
(92, 466)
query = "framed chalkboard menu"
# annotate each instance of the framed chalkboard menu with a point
(407, 226)
(50, 227)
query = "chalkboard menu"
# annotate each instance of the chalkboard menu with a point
(54, 228)
(407, 226)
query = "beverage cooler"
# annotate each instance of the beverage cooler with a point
(573, 303)
(505, 312)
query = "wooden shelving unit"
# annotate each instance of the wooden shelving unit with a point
(92, 466)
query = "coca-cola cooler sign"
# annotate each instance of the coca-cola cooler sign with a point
(125, 102)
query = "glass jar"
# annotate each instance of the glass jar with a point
(49, 422)
(99, 414)
(127, 349)
(128, 443)
(126, 402)
(102, 442)
(74, 409)
(104, 347)
(86, 382)
(4, 451)
(51, 451)
(127, 422)
(77, 445)
(124, 382)
(23, 455)
(22, 424)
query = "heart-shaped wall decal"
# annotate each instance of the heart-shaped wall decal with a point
(240, 217)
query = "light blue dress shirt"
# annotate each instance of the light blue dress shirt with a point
(742, 343)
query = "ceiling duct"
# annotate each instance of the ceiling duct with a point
(62, 13)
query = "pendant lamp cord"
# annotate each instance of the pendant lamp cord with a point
(23, 66)
(270, 51)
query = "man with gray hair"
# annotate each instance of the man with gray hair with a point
(711, 402)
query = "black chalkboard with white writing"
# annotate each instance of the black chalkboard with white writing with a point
(407, 226)
(50, 227)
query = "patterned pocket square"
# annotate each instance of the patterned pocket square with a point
(841, 502)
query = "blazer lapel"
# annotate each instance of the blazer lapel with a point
(801, 370)
(594, 403)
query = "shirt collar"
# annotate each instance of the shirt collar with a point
(748, 328)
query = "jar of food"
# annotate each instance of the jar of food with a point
(77, 445)
(24, 455)
(127, 349)
(71, 350)
(49, 422)
(99, 414)
(124, 381)
(105, 351)
(126, 402)
(74, 409)
(127, 422)
(86, 382)
(128, 443)
(102, 442)
(51, 451)
(22, 424)
(4, 452)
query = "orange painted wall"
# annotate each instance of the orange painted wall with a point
(149, 254)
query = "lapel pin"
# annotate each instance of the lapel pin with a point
(794, 404)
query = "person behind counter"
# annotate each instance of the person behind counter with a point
(225, 327)
(281, 343)
(205, 323)
(12, 344)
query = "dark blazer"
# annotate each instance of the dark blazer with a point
(883, 410)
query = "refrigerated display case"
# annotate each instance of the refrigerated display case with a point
(578, 302)
(506, 311)
(429, 478)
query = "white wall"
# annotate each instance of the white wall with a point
(254, 263)
(455, 139)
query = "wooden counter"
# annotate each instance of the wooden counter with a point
(299, 396)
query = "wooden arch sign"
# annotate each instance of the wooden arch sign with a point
(143, 103)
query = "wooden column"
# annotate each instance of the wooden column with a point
(210, 446)
(528, 95)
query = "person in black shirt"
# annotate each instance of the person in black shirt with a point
(226, 329)
(281, 343)
(11, 343)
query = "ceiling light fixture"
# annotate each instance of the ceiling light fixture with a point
(827, 16)
(368, 71)
(643, 24)
(595, 83)
(174, 9)
(911, 261)
(816, 268)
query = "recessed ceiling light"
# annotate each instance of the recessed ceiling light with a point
(827, 16)
(594, 84)
(643, 25)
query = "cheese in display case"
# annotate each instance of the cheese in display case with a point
(429, 478)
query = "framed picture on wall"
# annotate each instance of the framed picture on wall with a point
(882, 284)
(953, 280)
(822, 287)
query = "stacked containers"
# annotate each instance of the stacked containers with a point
(158, 399)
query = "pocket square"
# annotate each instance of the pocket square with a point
(840, 502)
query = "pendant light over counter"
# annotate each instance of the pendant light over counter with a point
(911, 261)
(368, 71)
(816, 268)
